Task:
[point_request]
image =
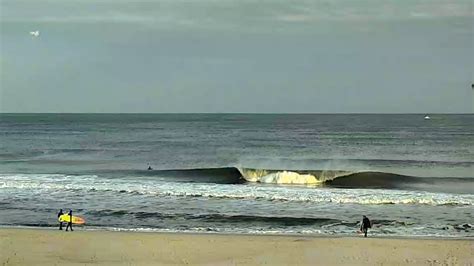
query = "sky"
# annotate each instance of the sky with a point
(245, 56)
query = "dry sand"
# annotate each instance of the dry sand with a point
(54, 247)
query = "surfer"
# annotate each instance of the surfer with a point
(69, 224)
(60, 222)
(149, 167)
(365, 225)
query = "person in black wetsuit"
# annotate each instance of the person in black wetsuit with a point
(69, 224)
(149, 167)
(365, 225)
(59, 215)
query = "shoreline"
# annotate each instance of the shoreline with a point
(164, 231)
(22, 246)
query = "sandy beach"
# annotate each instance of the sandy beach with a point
(51, 247)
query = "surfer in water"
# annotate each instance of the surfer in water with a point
(69, 224)
(59, 215)
(149, 167)
(365, 225)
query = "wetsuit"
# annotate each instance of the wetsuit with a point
(60, 223)
(69, 224)
(365, 225)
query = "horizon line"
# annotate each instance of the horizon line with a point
(237, 113)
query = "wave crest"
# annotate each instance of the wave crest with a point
(315, 177)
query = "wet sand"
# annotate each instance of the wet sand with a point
(54, 247)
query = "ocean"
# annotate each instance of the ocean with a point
(241, 173)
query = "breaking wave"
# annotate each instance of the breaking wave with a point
(323, 178)
(319, 178)
(234, 175)
(290, 176)
(361, 179)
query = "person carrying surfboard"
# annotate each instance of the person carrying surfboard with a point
(365, 225)
(69, 224)
(60, 222)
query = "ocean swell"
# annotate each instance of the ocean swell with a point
(238, 175)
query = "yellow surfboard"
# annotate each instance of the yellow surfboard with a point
(75, 219)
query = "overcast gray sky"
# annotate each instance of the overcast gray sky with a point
(324, 56)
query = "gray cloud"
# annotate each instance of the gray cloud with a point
(236, 56)
(226, 12)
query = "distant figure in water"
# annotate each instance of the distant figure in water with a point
(365, 225)
(69, 224)
(59, 215)
(149, 167)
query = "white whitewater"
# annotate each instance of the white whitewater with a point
(290, 177)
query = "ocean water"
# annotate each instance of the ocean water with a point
(241, 173)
